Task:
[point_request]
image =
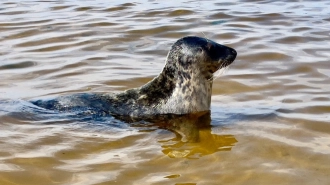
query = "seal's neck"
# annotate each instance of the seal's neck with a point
(160, 88)
(190, 92)
(174, 90)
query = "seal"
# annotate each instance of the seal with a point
(184, 85)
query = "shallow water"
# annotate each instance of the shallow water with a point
(270, 112)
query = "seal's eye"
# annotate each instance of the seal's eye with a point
(199, 50)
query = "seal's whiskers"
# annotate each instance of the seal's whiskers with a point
(220, 72)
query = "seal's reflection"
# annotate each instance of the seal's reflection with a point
(193, 135)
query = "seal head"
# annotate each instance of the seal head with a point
(195, 54)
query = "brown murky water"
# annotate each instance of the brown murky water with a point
(270, 117)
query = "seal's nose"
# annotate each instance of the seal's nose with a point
(232, 53)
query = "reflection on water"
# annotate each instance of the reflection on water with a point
(194, 138)
(208, 144)
(270, 112)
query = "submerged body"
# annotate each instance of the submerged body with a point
(184, 86)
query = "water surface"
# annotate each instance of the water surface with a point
(270, 112)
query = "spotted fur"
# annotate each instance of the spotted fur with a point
(184, 85)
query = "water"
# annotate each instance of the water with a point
(270, 112)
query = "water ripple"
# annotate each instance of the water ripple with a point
(270, 111)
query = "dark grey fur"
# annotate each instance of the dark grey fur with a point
(184, 85)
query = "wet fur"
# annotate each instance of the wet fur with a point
(184, 85)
